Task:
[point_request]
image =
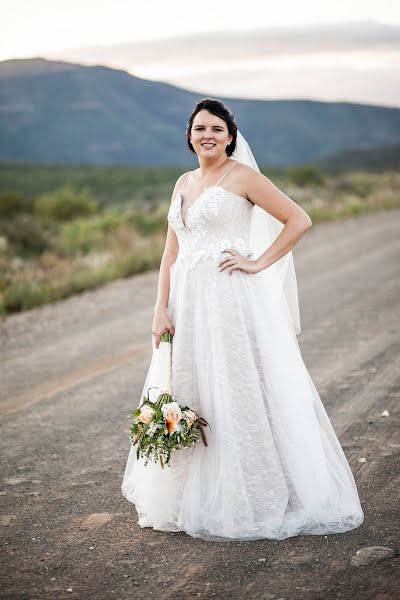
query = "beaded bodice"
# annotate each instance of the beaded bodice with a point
(218, 219)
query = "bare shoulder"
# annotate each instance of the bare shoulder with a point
(244, 176)
(260, 190)
(251, 180)
(245, 172)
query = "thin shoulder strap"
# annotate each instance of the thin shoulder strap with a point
(226, 173)
(184, 183)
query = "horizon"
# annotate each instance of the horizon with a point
(206, 94)
(334, 54)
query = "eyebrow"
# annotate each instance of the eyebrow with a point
(201, 125)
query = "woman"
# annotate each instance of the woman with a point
(273, 467)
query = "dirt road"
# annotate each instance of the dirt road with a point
(72, 371)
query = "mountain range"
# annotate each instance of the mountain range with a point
(60, 112)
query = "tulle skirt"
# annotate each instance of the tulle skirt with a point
(273, 467)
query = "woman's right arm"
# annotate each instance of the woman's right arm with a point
(162, 320)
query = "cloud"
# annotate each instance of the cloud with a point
(356, 61)
(207, 47)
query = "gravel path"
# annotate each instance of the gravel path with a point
(72, 371)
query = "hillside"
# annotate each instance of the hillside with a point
(381, 158)
(68, 113)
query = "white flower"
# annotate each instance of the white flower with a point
(146, 414)
(152, 428)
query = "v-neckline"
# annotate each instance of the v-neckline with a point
(194, 202)
(178, 195)
(191, 205)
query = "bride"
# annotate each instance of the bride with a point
(227, 292)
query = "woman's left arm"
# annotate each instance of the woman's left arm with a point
(261, 191)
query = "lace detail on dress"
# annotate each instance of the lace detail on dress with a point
(209, 229)
(189, 257)
(214, 201)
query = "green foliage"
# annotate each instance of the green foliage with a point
(66, 204)
(86, 234)
(146, 223)
(25, 294)
(305, 175)
(378, 159)
(12, 203)
(45, 258)
(116, 184)
(358, 183)
(26, 234)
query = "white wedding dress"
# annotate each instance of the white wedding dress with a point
(273, 467)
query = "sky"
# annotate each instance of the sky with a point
(332, 50)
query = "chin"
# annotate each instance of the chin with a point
(214, 152)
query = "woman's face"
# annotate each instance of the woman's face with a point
(209, 135)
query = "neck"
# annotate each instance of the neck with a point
(211, 165)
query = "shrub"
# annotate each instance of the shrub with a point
(146, 224)
(25, 294)
(65, 204)
(86, 234)
(12, 203)
(305, 175)
(26, 234)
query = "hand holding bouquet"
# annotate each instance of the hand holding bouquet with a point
(164, 425)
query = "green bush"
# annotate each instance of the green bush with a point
(65, 204)
(359, 184)
(22, 295)
(12, 203)
(26, 234)
(145, 223)
(305, 175)
(86, 234)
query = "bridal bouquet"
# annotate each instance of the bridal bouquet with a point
(162, 426)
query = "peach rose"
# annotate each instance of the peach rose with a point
(190, 417)
(172, 415)
(146, 414)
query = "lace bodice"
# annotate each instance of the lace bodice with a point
(216, 220)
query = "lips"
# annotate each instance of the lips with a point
(208, 146)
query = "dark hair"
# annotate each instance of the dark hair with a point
(217, 108)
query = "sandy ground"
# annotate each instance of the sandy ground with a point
(71, 372)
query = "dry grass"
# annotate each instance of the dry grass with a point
(88, 251)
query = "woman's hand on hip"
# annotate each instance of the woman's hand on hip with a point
(237, 261)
